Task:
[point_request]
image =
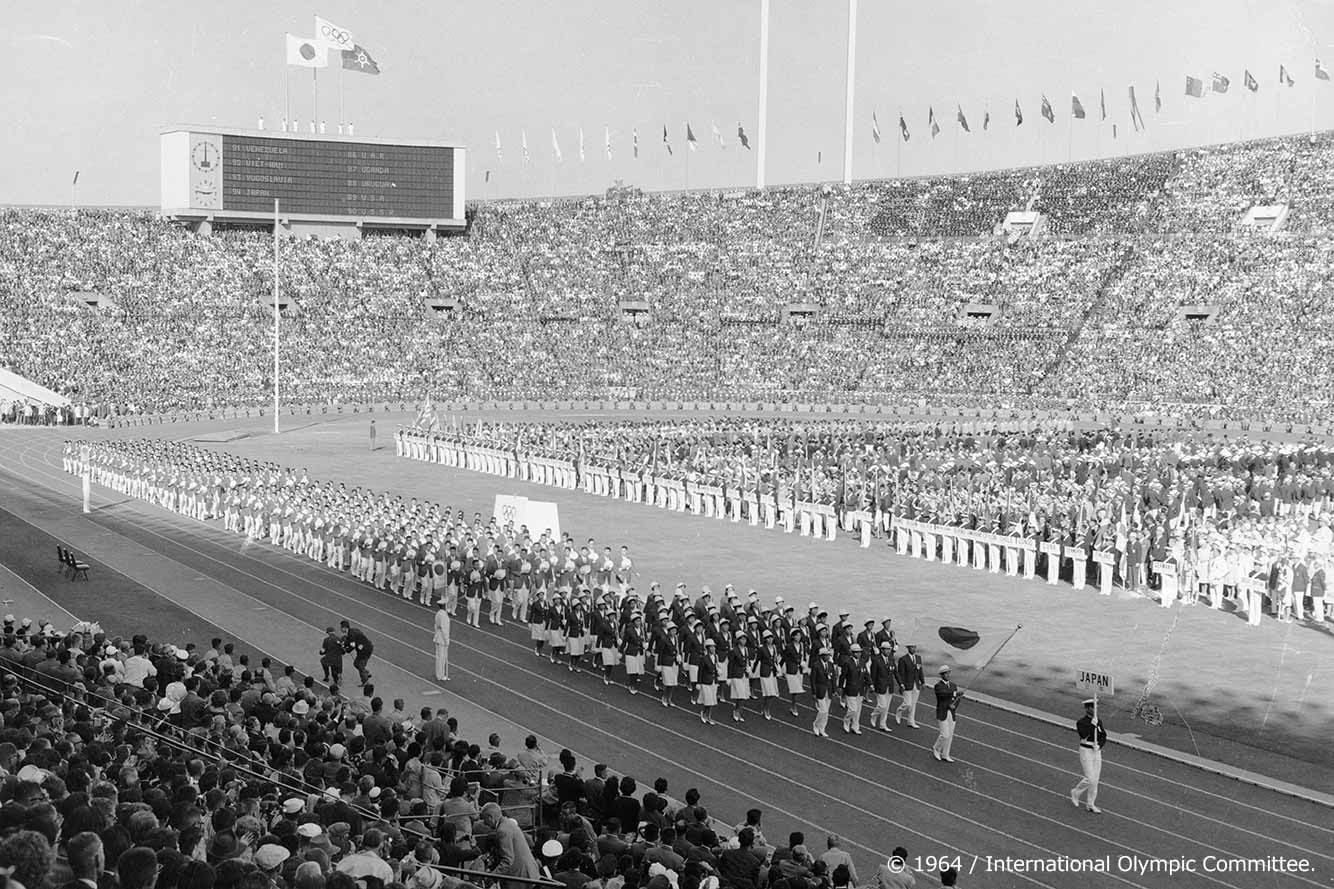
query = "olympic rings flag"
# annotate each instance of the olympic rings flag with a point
(332, 36)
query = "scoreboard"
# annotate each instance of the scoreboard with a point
(232, 174)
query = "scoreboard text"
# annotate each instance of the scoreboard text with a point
(243, 173)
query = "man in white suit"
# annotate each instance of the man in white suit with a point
(442, 623)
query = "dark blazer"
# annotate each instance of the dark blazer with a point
(910, 672)
(946, 698)
(883, 674)
(822, 679)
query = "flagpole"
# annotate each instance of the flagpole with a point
(982, 669)
(275, 317)
(288, 99)
(762, 124)
(314, 97)
(898, 150)
(847, 110)
(341, 117)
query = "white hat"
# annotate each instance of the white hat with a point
(32, 773)
(944, 668)
(309, 830)
(552, 849)
(293, 805)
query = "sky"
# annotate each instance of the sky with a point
(91, 84)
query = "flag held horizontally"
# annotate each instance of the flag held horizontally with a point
(958, 637)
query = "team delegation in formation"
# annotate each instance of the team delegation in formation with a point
(579, 604)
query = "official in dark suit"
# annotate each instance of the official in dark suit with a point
(883, 679)
(331, 656)
(947, 702)
(911, 678)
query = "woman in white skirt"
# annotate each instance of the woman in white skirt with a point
(556, 627)
(706, 688)
(632, 651)
(669, 664)
(738, 676)
(575, 635)
(768, 660)
(796, 657)
(537, 624)
(604, 629)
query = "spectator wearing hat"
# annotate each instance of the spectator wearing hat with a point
(948, 696)
(823, 678)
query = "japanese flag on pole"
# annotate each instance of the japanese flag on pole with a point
(306, 52)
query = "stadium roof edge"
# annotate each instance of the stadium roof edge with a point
(306, 137)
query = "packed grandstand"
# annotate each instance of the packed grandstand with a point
(1087, 314)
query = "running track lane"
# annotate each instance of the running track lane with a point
(1005, 797)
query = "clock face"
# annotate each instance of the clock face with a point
(205, 156)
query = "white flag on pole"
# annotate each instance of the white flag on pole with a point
(332, 36)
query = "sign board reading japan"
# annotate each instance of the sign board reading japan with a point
(1100, 683)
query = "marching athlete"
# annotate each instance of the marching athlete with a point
(1092, 738)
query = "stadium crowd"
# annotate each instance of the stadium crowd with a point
(890, 291)
(132, 763)
(1200, 520)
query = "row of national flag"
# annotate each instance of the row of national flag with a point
(1077, 112)
(1220, 83)
(313, 52)
(1194, 87)
(608, 139)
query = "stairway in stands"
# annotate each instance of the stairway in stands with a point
(1113, 274)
